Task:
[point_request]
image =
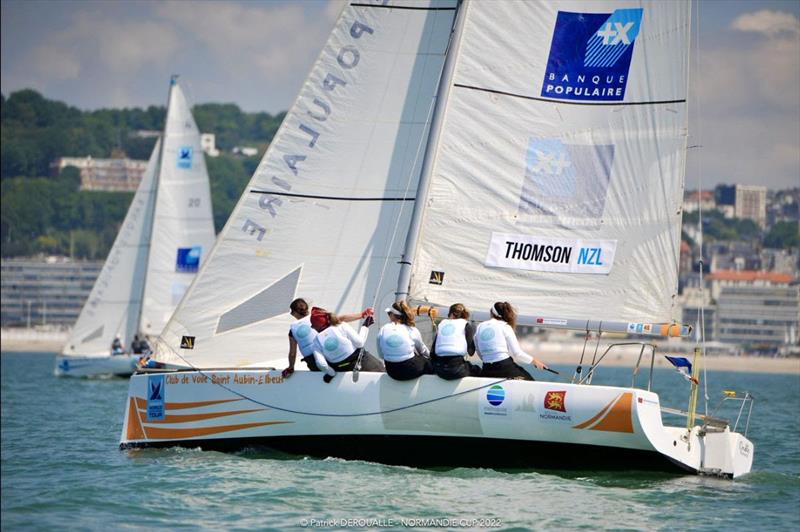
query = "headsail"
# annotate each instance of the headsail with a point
(558, 174)
(183, 226)
(114, 305)
(320, 215)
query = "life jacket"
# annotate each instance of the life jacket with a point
(334, 344)
(304, 335)
(451, 339)
(491, 341)
(395, 342)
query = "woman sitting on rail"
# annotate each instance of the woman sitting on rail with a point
(497, 343)
(401, 345)
(338, 348)
(454, 340)
(301, 334)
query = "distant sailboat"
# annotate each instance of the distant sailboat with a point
(167, 231)
(473, 152)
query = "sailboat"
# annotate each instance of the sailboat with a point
(167, 232)
(445, 151)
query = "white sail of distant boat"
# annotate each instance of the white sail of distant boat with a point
(167, 231)
(449, 151)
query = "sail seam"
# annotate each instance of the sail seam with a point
(548, 100)
(412, 8)
(334, 198)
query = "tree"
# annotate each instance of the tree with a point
(783, 235)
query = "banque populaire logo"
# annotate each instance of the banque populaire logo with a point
(590, 55)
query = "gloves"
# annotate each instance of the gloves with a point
(369, 320)
(287, 372)
(327, 378)
(369, 311)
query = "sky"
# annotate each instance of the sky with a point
(744, 104)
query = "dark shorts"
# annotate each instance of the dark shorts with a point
(311, 363)
(505, 369)
(409, 369)
(454, 367)
(368, 363)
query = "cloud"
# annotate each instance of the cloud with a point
(769, 23)
(745, 109)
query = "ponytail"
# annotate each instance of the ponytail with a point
(299, 306)
(506, 312)
(408, 315)
(458, 311)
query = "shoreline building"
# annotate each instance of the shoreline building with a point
(109, 175)
(42, 291)
(757, 309)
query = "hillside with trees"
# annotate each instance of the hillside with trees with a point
(42, 213)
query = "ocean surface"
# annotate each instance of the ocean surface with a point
(62, 468)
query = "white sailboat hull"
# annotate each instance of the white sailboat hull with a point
(425, 422)
(96, 366)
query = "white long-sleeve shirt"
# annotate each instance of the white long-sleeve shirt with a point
(408, 340)
(495, 340)
(346, 340)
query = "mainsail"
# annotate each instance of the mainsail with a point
(114, 305)
(326, 213)
(183, 226)
(558, 174)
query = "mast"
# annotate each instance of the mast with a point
(404, 277)
(152, 212)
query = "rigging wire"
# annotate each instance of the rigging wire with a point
(701, 336)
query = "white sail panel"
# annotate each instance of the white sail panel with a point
(114, 304)
(583, 185)
(326, 213)
(183, 226)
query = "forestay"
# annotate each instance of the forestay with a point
(183, 226)
(319, 217)
(558, 175)
(114, 305)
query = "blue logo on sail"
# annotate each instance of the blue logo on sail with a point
(569, 180)
(496, 395)
(188, 259)
(185, 157)
(590, 55)
(155, 397)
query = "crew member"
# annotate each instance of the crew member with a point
(116, 346)
(136, 346)
(338, 348)
(496, 343)
(401, 346)
(301, 334)
(454, 340)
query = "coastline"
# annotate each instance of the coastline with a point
(551, 352)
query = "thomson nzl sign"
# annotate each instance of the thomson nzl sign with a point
(524, 252)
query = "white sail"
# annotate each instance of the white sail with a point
(114, 305)
(326, 213)
(183, 226)
(558, 175)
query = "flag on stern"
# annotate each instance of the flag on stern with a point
(683, 366)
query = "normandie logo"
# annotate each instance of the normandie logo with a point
(590, 55)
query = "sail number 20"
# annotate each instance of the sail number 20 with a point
(194, 202)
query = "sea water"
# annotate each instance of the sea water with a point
(62, 468)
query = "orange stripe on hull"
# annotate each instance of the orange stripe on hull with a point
(134, 430)
(187, 418)
(142, 403)
(159, 433)
(616, 416)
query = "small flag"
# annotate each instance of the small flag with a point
(729, 393)
(683, 366)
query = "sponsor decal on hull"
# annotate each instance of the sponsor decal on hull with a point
(555, 402)
(496, 402)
